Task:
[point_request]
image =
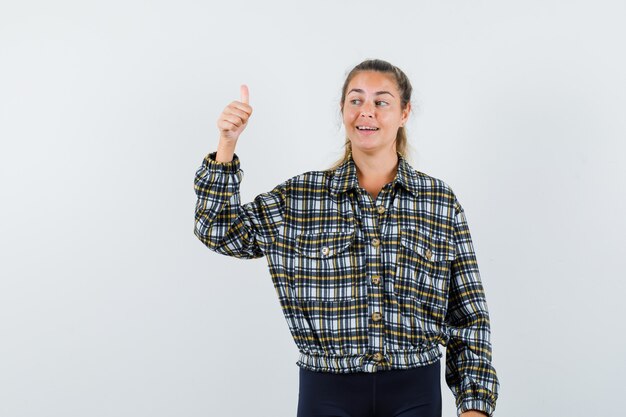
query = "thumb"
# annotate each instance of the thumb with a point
(245, 94)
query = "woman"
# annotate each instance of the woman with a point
(372, 262)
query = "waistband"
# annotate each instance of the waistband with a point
(399, 359)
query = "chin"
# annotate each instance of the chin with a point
(366, 149)
(366, 146)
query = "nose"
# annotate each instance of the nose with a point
(367, 111)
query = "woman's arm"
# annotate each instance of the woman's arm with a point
(469, 372)
(222, 223)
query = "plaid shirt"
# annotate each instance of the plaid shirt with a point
(364, 285)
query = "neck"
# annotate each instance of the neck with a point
(375, 170)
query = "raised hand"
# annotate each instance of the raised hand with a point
(234, 118)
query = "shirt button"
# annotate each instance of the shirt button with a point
(429, 254)
(380, 209)
(378, 356)
(375, 242)
(325, 250)
(376, 280)
(377, 316)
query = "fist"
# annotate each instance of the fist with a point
(234, 118)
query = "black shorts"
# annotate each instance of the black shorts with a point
(394, 393)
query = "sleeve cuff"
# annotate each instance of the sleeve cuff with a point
(232, 166)
(479, 404)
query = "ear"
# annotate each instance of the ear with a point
(405, 113)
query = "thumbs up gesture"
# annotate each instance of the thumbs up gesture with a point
(234, 118)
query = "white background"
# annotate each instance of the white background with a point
(110, 306)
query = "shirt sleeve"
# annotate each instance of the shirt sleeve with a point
(469, 371)
(226, 226)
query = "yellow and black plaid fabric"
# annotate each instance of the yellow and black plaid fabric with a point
(364, 285)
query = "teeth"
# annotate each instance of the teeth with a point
(366, 128)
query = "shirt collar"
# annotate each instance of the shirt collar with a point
(345, 179)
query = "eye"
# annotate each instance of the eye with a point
(382, 103)
(355, 101)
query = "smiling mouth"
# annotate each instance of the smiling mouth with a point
(367, 128)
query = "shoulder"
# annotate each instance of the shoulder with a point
(309, 178)
(309, 183)
(435, 188)
(429, 182)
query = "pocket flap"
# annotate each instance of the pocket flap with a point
(323, 245)
(432, 248)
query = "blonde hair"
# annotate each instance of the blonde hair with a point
(405, 89)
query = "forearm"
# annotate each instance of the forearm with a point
(225, 150)
(220, 221)
(226, 226)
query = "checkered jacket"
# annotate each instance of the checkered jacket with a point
(364, 285)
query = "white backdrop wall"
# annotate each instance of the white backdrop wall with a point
(110, 306)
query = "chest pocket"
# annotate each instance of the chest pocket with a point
(423, 267)
(326, 266)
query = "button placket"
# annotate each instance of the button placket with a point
(373, 219)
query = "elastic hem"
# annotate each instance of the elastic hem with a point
(232, 166)
(401, 359)
(473, 403)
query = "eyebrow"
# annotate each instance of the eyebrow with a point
(358, 90)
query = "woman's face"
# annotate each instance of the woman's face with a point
(372, 112)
